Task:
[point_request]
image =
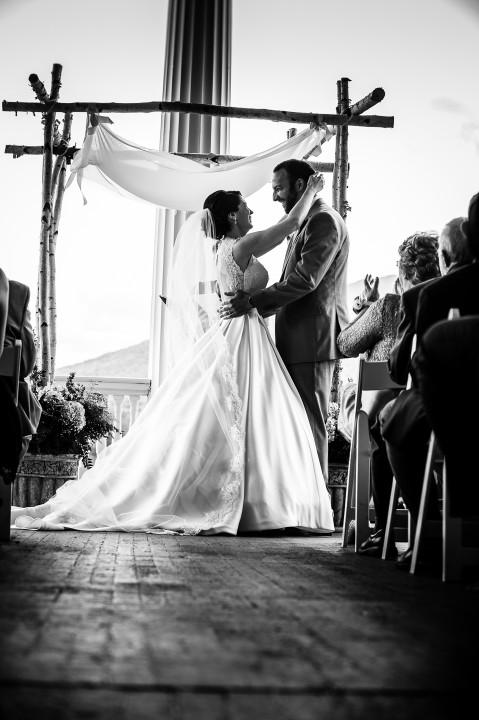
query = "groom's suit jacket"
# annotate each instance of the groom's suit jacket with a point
(310, 299)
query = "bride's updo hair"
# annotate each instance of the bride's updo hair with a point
(220, 204)
(418, 257)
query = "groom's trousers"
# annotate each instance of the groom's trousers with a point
(313, 381)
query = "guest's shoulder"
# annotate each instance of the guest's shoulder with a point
(454, 279)
(322, 217)
(391, 300)
(18, 292)
(411, 296)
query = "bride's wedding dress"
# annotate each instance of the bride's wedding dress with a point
(223, 446)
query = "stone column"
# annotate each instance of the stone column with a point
(197, 69)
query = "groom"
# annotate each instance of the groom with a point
(309, 300)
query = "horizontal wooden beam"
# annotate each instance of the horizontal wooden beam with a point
(19, 150)
(202, 109)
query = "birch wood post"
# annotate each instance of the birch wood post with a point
(46, 219)
(38, 88)
(343, 206)
(340, 204)
(58, 190)
(40, 91)
(337, 156)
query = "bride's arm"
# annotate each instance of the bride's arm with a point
(259, 243)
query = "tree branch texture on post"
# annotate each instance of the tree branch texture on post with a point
(58, 190)
(46, 220)
(203, 109)
(343, 206)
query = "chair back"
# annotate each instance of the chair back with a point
(10, 365)
(460, 546)
(372, 375)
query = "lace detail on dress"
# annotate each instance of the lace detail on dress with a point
(230, 275)
(255, 276)
(229, 492)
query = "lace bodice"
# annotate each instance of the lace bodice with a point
(231, 277)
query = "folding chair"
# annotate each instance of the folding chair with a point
(9, 367)
(460, 536)
(371, 376)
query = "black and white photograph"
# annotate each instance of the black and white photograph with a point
(239, 359)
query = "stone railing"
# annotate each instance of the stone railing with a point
(126, 398)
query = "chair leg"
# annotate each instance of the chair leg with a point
(350, 491)
(363, 456)
(5, 509)
(426, 486)
(393, 502)
(424, 527)
(452, 549)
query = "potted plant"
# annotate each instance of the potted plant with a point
(73, 417)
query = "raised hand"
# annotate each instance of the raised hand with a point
(370, 291)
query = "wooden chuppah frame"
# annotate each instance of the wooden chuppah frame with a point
(53, 177)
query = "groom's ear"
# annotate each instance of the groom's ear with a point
(300, 185)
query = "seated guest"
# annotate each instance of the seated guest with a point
(418, 263)
(453, 252)
(370, 336)
(404, 424)
(18, 327)
(446, 370)
(10, 430)
(373, 332)
(3, 307)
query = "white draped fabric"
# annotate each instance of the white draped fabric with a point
(175, 182)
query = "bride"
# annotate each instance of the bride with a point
(224, 445)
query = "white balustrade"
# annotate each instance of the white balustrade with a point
(126, 398)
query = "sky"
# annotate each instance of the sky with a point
(285, 56)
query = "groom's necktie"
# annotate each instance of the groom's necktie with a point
(289, 251)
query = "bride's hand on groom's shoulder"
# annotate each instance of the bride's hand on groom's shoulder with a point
(316, 182)
(237, 305)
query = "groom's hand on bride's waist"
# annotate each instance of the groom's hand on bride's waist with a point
(237, 305)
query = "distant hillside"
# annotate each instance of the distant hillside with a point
(128, 362)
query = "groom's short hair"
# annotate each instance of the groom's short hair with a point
(296, 169)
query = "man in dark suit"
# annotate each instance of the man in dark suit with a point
(310, 299)
(447, 364)
(446, 370)
(18, 327)
(10, 429)
(405, 425)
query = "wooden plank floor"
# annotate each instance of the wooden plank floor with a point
(135, 626)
